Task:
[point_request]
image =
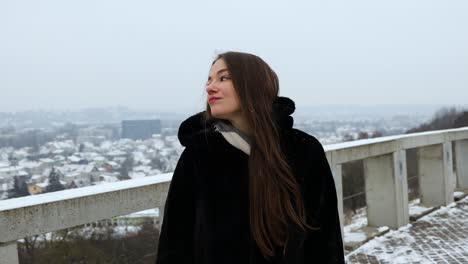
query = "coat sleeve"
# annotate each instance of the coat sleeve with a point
(176, 236)
(324, 245)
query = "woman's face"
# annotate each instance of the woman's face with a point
(220, 86)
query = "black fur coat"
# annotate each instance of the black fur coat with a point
(206, 216)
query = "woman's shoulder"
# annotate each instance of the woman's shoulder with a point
(304, 151)
(305, 140)
(194, 130)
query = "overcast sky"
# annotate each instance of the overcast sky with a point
(157, 54)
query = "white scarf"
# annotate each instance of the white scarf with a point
(234, 136)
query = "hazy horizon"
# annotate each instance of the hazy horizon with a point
(187, 110)
(145, 55)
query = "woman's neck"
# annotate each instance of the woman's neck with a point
(242, 125)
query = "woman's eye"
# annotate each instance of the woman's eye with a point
(224, 78)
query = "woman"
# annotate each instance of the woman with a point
(249, 188)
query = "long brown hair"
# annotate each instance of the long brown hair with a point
(275, 197)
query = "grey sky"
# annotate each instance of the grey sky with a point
(156, 54)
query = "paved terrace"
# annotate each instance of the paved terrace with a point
(439, 237)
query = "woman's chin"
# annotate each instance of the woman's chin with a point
(219, 114)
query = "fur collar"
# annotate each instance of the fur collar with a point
(196, 129)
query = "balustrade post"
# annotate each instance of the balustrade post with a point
(436, 174)
(9, 253)
(336, 170)
(461, 161)
(337, 176)
(387, 190)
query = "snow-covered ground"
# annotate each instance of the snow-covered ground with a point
(439, 237)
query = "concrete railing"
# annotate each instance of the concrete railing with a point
(38, 214)
(384, 170)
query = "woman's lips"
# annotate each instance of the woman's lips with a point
(213, 99)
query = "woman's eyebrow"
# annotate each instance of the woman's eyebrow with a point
(220, 71)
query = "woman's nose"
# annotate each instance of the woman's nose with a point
(210, 88)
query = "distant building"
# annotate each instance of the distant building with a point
(95, 135)
(140, 129)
